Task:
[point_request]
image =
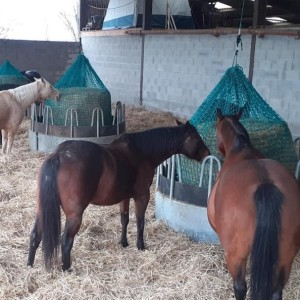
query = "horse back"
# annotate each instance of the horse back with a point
(232, 198)
(91, 173)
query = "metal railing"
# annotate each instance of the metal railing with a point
(173, 164)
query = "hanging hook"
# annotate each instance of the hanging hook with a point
(239, 38)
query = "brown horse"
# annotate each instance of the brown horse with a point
(254, 208)
(13, 104)
(80, 173)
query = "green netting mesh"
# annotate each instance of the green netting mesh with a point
(267, 130)
(11, 77)
(82, 89)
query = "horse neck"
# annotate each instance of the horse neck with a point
(245, 151)
(157, 146)
(26, 94)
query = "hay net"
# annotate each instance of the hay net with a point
(268, 131)
(81, 89)
(10, 77)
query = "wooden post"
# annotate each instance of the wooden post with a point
(84, 18)
(259, 20)
(147, 15)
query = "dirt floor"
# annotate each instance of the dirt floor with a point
(171, 268)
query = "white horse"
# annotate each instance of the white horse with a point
(13, 104)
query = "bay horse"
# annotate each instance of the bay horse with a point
(13, 104)
(80, 173)
(254, 207)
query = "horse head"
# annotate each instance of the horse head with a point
(193, 145)
(46, 90)
(230, 132)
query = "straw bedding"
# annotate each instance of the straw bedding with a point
(172, 267)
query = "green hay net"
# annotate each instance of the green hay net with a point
(80, 88)
(268, 131)
(11, 77)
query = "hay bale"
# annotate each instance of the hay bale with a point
(172, 266)
(84, 100)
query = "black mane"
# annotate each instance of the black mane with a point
(156, 141)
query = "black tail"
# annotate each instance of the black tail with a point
(50, 209)
(265, 248)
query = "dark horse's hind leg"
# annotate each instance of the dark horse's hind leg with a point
(35, 240)
(71, 228)
(141, 204)
(124, 212)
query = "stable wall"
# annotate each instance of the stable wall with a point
(50, 59)
(176, 72)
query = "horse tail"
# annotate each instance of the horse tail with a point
(265, 249)
(50, 209)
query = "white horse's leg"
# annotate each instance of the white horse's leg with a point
(11, 136)
(4, 140)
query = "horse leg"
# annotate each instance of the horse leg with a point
(72, 226)
(277, 295)
(4, 140)
(282, 278)
(124, 212)
(240, 287)
(35, 240)
(237, 270)
(11, 136)
(141, 204)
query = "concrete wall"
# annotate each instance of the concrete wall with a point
(50, 59)
(180, 70)
(117, 61)
(277, 76)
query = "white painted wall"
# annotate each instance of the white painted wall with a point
(180, 71)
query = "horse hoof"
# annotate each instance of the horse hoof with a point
(140, 246)
(124, 244)
(65, 270)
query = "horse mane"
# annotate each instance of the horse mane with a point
(22, 92)
(242, 139)
(156, 141)
(241, 142)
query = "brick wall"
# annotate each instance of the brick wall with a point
(50, 59)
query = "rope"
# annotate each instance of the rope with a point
(239, 38)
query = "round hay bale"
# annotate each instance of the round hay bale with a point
(84, 100)
(268, 132)
(10, 77)
(272, 139)
(11, 82)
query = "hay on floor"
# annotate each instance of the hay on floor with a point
(172, 267)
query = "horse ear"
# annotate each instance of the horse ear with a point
(219, 114)
(37, 79)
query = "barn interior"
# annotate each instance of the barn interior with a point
(211, 14)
